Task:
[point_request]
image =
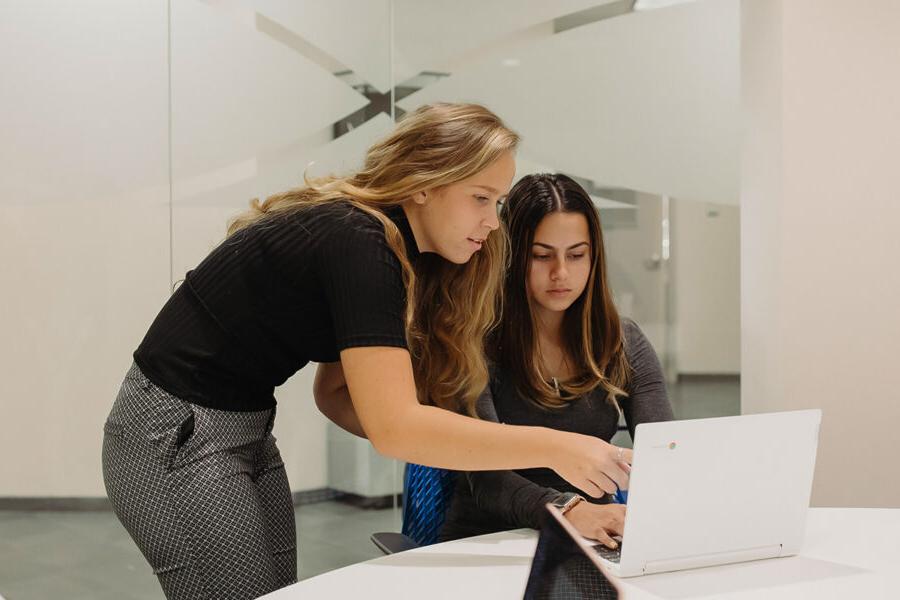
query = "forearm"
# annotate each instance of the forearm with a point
(510, 497)
(436, 437)
(506, 495)
(384, 396)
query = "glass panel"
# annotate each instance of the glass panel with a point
(262, 92)
(125, 158)
(643, 109)
(706, 324)
(84, 227)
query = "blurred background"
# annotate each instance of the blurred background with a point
(132, 131)
(135, 130)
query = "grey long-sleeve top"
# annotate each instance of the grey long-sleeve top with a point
(490, 501)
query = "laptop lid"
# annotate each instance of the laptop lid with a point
(719, 490)
(565, 565)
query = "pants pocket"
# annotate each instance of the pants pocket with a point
(116, 429)
(171, 442)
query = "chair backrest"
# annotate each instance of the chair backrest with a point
(427, 492)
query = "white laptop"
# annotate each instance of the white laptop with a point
(714, 491)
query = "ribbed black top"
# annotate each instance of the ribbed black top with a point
(290, 289)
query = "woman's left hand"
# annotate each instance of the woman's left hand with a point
(598, 521)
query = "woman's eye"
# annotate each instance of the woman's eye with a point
(540, 256)
(482, 199)
(576, 256)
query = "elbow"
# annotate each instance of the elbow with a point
(390, 438)
(321, 399)
(384, 442)
(328, 403)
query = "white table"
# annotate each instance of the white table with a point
(849, 553)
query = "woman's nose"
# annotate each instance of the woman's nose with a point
(559, 270)
(491, 220)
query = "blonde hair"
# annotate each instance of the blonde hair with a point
(450, 307)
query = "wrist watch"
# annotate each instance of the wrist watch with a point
(566, 501)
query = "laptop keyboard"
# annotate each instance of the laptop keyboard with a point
(608, 553)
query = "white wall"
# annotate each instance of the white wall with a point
(820, 207)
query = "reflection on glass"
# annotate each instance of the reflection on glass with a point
(261, 94)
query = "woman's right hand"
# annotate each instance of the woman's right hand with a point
(598, 521)
(593, 466)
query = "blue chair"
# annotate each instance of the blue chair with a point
(426, 495)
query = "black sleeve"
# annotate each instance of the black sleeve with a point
(506, 494)
(363, 284)
(647, 399)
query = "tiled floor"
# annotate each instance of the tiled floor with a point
(695, 397)
(88, 555)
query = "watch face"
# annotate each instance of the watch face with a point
(561, 501)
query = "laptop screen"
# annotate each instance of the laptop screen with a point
(562, 569)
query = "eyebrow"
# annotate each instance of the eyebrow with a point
(486, 187)
(549, 247)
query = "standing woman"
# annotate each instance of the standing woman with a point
(388, 279)
(562, 359)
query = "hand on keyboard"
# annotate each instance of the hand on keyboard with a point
(598, 521)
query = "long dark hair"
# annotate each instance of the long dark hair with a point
(591, 328)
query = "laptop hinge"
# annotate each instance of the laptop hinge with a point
(708, 560)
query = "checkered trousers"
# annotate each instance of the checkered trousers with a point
(202, 492)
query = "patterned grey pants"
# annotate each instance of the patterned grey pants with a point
(202, 492)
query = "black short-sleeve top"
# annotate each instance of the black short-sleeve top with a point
(290, 289)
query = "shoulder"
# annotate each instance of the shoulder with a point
(638, 350)
(320, 236)
(634, 340)
(631, 332)
(340, 228)
(340, 217)
(350, 250)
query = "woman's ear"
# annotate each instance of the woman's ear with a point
(420, 197)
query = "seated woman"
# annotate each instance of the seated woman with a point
(561, 358)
